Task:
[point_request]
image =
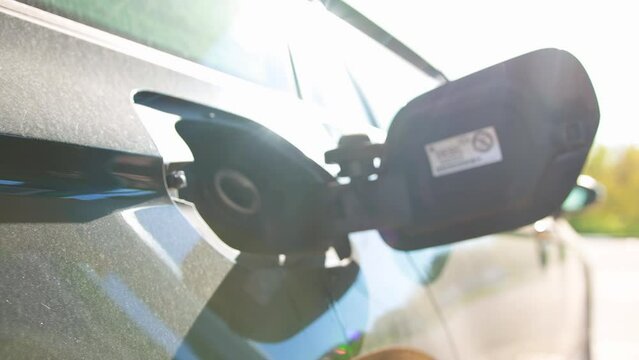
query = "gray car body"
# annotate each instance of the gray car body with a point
(145, 277)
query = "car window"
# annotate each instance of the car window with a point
(341, 69)
(244, 38)
(385, 81)
(320, 68)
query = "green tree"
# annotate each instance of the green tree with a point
(617, 169)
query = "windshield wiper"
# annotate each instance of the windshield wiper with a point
(372, 30)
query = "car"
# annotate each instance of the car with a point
(247, 179)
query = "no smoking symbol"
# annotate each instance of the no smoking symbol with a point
(483, 141)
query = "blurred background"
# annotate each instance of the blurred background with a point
(460, 37)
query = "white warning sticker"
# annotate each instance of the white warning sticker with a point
(465, 151)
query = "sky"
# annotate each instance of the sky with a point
(461, 37)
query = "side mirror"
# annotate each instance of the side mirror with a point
(490, 152)
(587, 192)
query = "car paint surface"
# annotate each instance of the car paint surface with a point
(520, 294)
(144, 277)
(135, 280)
